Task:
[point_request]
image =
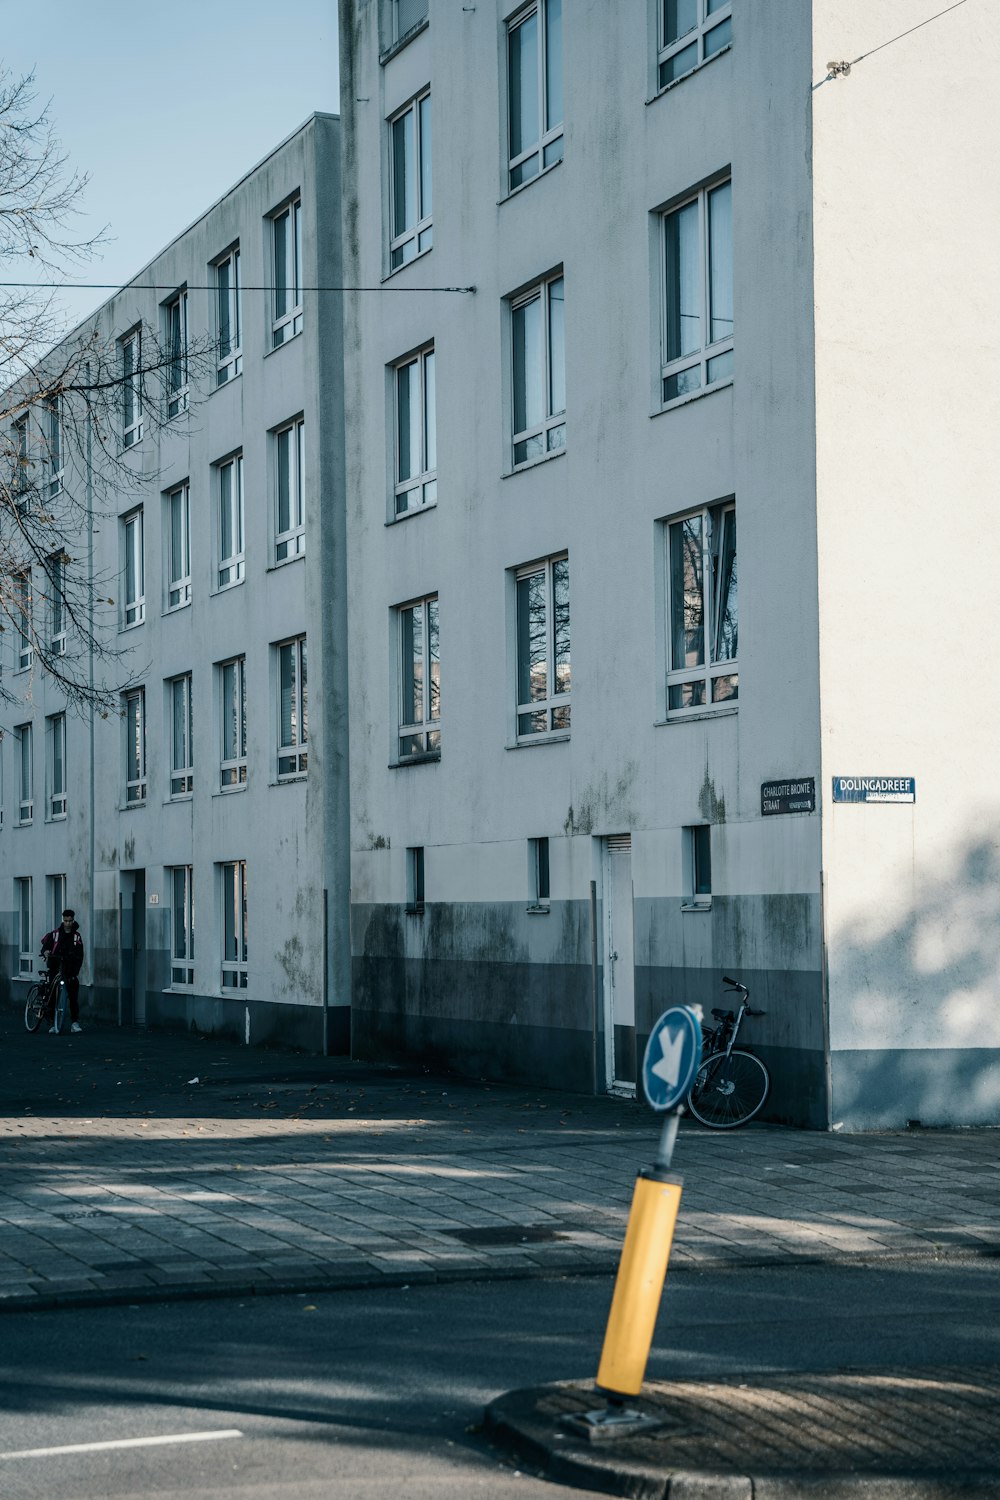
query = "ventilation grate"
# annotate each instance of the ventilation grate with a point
(506, 1234)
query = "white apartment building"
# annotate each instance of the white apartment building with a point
(195, 829)
(655, 277)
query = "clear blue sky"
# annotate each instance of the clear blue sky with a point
(166, 103)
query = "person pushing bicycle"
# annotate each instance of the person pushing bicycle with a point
(62, 950)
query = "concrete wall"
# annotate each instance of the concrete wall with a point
(281, 830)
(907, 209)
(475, 979)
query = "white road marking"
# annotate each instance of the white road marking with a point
(143, 1442)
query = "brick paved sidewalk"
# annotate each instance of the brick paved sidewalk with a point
(866, 1434)
(277, 1172)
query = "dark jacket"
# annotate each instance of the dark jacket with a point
(64, 947)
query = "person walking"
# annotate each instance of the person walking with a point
(62, 949)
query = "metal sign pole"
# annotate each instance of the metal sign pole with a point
(668, 1140)
(673, 1055)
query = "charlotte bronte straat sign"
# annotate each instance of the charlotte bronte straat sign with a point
(794, 796)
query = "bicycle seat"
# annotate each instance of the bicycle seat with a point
(724, 1015)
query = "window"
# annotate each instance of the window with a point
(419, 680)
(21, 455)
(57, 898)
(405, 15)
(24, 739)
(286, 236)
(133, 570)
(55, 568)
(131, 352)
(181, 924)
(534, 91)
(690, 32)
(539, 868)
(22, 603)
(232, 677)
(411, 207)
(25, 942)
(55, 735)
(178, 518)
(234, 925)
(54, 457)
(181, 741)
(416, 433)
(229, 316)
(231, 556)
(698, 296)
(538, 364)
(134, 714)
(702, 604)
(543, 665)
(698, 859)
(293, 709)
(289, 455)
(415, 879)
(176, 330)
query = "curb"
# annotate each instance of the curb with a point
(511, 1422)
(365, 1277)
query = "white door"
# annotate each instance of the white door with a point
(619, 966)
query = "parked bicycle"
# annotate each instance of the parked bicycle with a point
(46, 996)
(732, 1084)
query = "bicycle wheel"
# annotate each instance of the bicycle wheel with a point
(729, 1091)
(59, 1019)
(34, 1007)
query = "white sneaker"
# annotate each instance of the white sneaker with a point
(75, 1026)
(53, 1031)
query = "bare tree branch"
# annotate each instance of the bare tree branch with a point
(38, 196)
(73, 410)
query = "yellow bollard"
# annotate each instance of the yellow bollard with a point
(669, 1066)
(639, 1283)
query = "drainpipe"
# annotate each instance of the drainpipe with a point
(90, 677)
(326, 970)
(825, 984)
(593, 985)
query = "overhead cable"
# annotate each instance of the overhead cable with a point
(841, 69)
(190, 286)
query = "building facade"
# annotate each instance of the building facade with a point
(193, 827)
(636, 291)
(546, 625)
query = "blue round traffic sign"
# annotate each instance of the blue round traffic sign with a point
(673, 1053)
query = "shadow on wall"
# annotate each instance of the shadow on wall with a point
(915, 1007)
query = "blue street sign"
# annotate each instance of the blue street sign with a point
(673, 1053)
(874, 789)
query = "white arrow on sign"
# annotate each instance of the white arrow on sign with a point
(669, 1066)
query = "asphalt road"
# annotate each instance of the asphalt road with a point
(378, 1395)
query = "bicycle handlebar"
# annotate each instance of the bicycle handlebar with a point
(58, 969)
(735, 984)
